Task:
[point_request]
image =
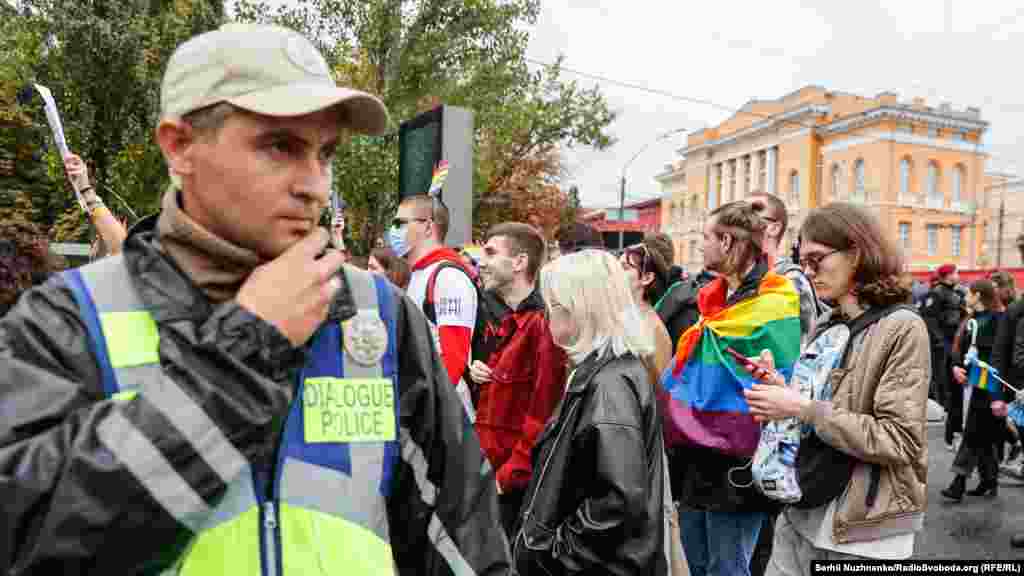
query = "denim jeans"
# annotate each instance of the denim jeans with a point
(719, 543)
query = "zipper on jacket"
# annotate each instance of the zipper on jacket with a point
(271, 538)
(547, 462)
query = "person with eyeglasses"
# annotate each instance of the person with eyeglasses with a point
(773, 211)
(647, 266)
(440, 284)
(868, 408)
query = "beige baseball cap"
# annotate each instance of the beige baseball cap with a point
(264, 69)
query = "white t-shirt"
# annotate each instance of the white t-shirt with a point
(454, 305)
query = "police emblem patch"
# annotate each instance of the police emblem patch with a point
(365, 337)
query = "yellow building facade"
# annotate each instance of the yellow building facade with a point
(920, 168)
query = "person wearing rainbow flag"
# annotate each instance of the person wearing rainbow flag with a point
(747, 309)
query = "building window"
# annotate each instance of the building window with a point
(935, 199)
(794, 186)
(762, 174)
(933, 132)
(836, 183)
(747, 169)
(905, 177)
(959, 136)
(957, 230)
(858, 181)
(716, 192)
(905, 235)
(958, 178)
(933, 239)
(732, 180)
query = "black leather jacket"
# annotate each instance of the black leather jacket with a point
(594, 504)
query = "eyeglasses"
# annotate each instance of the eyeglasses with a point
(399, 222)
(812, 262)
(636, 257)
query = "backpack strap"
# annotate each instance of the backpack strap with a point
(865, 320)
(428, 302)
(657, 305)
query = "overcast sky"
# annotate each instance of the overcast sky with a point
(731, 51)
(961, 51)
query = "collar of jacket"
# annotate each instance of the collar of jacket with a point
(215, 265)
(441, 254)
(587, 369)
(170, 290)
(712, 297)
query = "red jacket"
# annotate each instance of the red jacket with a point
(528, 380)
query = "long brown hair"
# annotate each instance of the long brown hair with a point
(851, 228)
(397, 269)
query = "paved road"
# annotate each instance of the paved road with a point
(974, 529)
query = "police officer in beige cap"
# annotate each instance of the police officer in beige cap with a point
(226, 396)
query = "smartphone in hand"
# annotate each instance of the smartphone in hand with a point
(742, 360)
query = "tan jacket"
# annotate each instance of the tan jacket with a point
(878, 414)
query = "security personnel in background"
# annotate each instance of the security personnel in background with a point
(225, 396)
(942, 312)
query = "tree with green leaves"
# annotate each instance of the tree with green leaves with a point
(415, 54)
(103, 61)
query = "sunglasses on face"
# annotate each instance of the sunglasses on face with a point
(400, 222)
(812, 262)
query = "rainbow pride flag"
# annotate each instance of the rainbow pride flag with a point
(440, 175)
(982, 375)
(702, 392)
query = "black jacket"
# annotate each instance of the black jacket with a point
(942, 311)
(982, 426)
(678, 307)
(69, 506)
(594, 504)
(1008, 351)
(705, 479)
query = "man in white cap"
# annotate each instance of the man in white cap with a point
(225, 396)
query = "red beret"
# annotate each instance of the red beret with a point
(946, 269)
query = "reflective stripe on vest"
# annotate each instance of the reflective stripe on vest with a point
(332, 495)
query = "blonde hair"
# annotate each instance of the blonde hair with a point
(591, 285)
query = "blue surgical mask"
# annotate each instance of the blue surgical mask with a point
(398, 239)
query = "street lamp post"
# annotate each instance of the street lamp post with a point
(622, 180)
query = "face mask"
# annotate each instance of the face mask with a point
(398, 238)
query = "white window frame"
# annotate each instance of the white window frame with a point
(904, 232)
(905, 171)
(837, 183)
(794, 186)
(935, 196)
(858, 181)
(762, 176)
(932, 238)
(956, 234)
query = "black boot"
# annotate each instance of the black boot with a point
(955, 491)
(986, 488)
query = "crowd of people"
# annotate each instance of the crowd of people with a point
(219, 388)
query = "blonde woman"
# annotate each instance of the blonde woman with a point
(594, 504)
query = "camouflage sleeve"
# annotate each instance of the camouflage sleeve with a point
(808, 306)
